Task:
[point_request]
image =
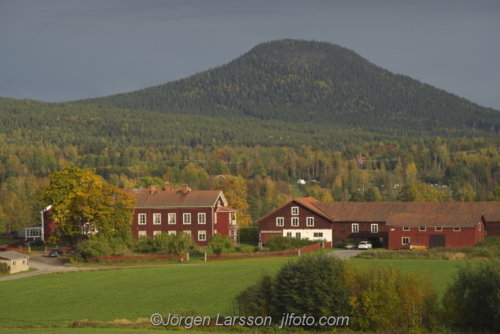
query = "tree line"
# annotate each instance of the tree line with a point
(433, 169)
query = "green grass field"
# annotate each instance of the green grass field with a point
(133, 293)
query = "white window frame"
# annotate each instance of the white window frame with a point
(318, 234)
(403, 240)
(202, 234)
(422, 228)
(142, 234)
(170, 220)
(141, 219)
(155, 233)
(288, 234)
(310, 221)
(202, 218)
(438, 228)
(406, 228)
(355, 228)
(188, 232)
(280, 221)
(298, 235)
(295, 221)
(456, 229)
(172, 232)
(186, 218)
(156, 218)
(479, 226)
(295, 210)
(374, 228)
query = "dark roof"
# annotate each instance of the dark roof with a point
(426, 220)
(161, 198)
(10, 255)
(380, 211)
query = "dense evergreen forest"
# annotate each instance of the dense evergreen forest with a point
(286, 110)
(306, 81)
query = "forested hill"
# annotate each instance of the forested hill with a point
(307, 81)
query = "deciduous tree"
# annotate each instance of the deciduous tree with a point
(82, 201)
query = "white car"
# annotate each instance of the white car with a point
(365, 245)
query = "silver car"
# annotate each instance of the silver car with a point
(365, 245)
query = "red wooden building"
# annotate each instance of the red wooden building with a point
(176, 210)
(385, 224)
(171, 210)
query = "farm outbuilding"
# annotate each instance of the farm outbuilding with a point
(16, 261)
(385, 224)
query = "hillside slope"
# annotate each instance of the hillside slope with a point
(305, 81)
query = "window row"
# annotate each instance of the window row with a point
(202, 235)
(280, 221)
(186, 218)
(373, 228)
(437, 228)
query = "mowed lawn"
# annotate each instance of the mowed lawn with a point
(134, 293)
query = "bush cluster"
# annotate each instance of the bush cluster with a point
(164, 243)
(111, 244)
(375, 299)
(280, 243)
(4, 268)
(472, 301)
(249, 234)
(122, 244)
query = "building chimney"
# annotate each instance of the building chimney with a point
(152, 189)
(167, 186)
(185, 189)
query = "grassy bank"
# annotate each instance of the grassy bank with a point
(133, 293)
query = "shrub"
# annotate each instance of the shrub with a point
(4, 268)
(218, 243)
(249, 234)
(311, 285)
(472, 300)
(493, 242)
(280, 243)
(384, 299)
(38, 242)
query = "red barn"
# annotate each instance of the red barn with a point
(435, 230)
(385, 224)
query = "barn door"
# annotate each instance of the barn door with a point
(437, 240)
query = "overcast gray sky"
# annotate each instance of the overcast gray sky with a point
(62, 50)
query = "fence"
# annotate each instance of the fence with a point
(110, 258)
(255, 255)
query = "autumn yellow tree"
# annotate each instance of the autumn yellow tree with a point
(235, 191)
(82, 202)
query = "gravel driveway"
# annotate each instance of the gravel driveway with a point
(45, 265)
(346, 253)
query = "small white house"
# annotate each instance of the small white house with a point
(16, 261)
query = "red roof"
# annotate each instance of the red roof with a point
(380, 211)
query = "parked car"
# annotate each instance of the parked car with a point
(365, 245)
(56, 252)
(414, 245)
